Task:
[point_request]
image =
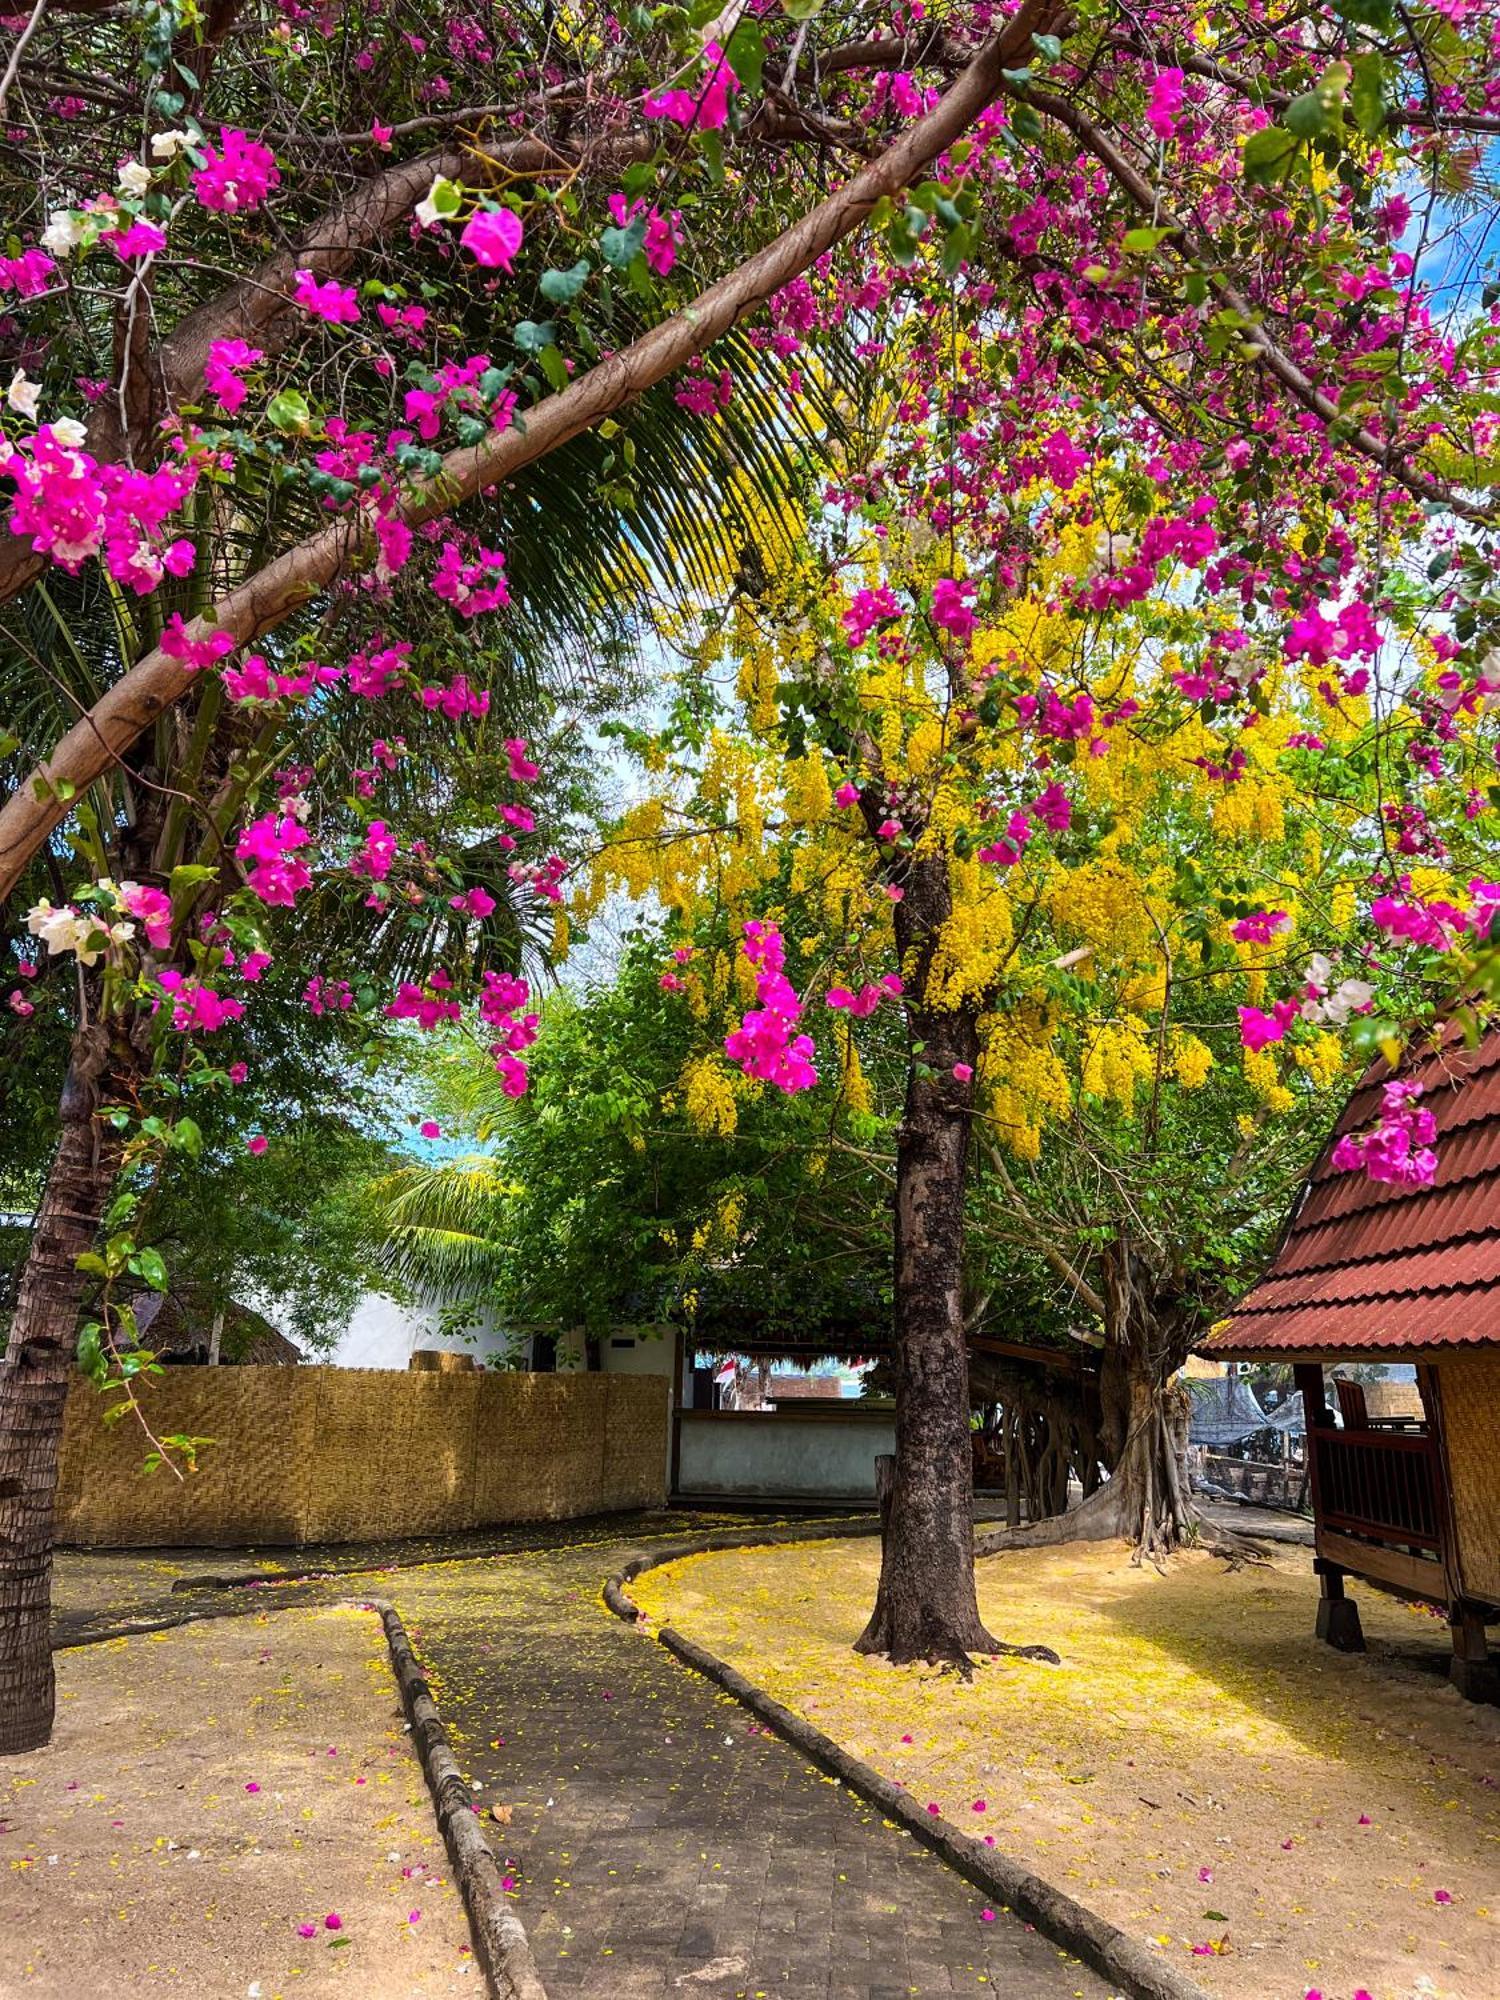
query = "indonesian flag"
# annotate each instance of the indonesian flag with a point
(726, 1372)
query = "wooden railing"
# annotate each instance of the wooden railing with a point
(1384, 1485)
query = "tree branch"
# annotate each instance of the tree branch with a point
(151, 687)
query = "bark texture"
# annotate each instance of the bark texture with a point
(926, 1608)
(34, 1386)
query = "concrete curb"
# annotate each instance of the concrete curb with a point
(1120, 1958)
(500, 1941)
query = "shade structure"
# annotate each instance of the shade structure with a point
(1366, 1268)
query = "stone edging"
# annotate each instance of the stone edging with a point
(1102, 1945)
(500, 1940)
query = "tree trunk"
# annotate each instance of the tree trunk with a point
(925, 1608)
(1142, 1429)
(34, 1387)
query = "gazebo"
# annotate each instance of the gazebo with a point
(1372, 1271)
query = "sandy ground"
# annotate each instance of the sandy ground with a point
(1278, 1819)
(207, 1791)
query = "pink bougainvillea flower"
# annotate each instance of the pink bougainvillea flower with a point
(986, 1916)
(522, 771)
(1205, 1874)
(307, 1930)
(333, 1921)
(492, 236)
(338, 304)
(934, 1809)
(431, 1129)
(1441, 1896)
(980, 1805)
(238, 176)
(1260, 926)
(414, 1916)
(1365, 1820)
(141, 239)
(257, 1142)
(227, 360)
(989, 1840)
(252, 1786)
(1258, 1030)
(908, 1739)
(846, 795)
(963, 1072)
(703, 109)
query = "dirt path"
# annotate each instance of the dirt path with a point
(208, 1791)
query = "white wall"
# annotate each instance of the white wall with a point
(382, 1333)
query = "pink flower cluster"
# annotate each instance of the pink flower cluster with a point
(470, 587)
(238, 176)
(705, 109)
(375, 673)
(1258, 1030)
(253, 680)
(327, 996)
(456, 700)
(764, 1045)
(503, 995)
(74, 507)
(28, 275)
(867, 609)
(152, 910)
(429, 1006)
(196, 1009)
(863, 1003)
(195, 654)
(227, 361)
(1400, 1148)
(660, 245)
(270, 844)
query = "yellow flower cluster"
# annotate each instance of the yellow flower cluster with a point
(1118, 1060)
(975, 943)
(708, 1097)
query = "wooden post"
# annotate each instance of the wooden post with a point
(1338, 1616)
(1472, 1672)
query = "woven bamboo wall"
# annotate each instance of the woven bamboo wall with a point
(348, 1455)
(1471, 1420)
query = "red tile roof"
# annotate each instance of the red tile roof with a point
(1366, 1267)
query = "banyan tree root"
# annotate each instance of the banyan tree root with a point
(1143, 1503)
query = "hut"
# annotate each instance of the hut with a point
(1372, 1272)
(184, 1327)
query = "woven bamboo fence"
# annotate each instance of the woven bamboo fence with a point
(1471, 1422)
(340, 1455)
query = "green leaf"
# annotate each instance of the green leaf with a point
(1312, 114)
(620, 247)
(553, 367)
(288, 411)
(1141, 242)
(8, 743)
(745, 53)
(446, 198)
(90, 1351)
(187, 1136)
(531, 336)
(801, 10)
(152, 1266)
(1049, 46)
(560, 288)
(1367, 94)
(1268, 156)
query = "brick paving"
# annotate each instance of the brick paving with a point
(661, 1846)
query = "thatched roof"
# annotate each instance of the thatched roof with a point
(178, 1325)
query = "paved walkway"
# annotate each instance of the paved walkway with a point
(661, 1846)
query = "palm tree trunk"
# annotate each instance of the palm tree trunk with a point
(33, 1390)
